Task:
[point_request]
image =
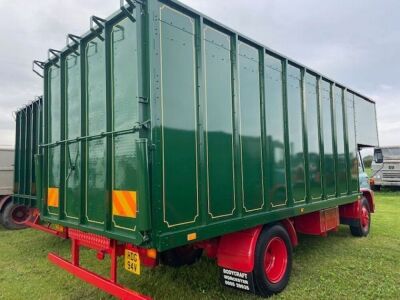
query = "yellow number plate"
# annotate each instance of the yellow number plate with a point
(132, 262)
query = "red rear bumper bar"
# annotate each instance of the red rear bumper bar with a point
(34, 222)
(102, 283)
(104, 246)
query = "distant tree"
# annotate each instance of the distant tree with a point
(368, 161)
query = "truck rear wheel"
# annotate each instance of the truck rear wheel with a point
(14, 216)
(364, 223)
(273, 260)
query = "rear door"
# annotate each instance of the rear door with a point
(96, 168)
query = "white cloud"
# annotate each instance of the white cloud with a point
(354, 42)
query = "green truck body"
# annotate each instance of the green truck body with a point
(28, 137)
(162, 132)
(205, 131)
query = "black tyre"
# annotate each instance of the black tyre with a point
(273, 260)
(13, 216)
(364, 224)
(1, 218)
(181, 256)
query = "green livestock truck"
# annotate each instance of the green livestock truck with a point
(14, 211)
(28, 137)
(167, 135)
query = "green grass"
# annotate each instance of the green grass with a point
(338, 267)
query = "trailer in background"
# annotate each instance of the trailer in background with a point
(166, 134)
(6, 186)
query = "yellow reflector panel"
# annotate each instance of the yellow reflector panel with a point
(191, 236)
(53, 197)
(124, 204)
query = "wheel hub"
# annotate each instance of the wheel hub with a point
(20, 214)
(275, 260)
(364, 217)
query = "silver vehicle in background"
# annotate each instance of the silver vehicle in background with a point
(385, 167)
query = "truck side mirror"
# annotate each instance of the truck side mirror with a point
(378, 157)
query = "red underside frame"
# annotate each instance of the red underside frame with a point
(318, 222)
(34, 222)
(102, 245)
(236, 250)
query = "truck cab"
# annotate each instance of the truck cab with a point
(362, 175)
(385, 167)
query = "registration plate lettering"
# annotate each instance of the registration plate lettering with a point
(132, 262)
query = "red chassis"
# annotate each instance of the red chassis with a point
(233, 251)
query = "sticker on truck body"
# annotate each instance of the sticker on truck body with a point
(238, 280)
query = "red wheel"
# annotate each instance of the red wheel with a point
(273, 260)
(19, 214)
(364, 218)
(14, 216)
(363, 226)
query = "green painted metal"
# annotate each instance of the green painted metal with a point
(213, 132)
(28, 136)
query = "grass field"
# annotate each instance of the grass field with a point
(339, 267)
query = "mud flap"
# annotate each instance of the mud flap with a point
(238, 280)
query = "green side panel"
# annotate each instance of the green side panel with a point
(340, 143)
(314, 154)
(250, 128)
(54, 104)
(329, 162)
(26, 145)
(22, 168)
(73, 181)
(178, 117)
(366, 122)
(17, 153)
(297, 167)
(28, 151)
(125, 110)
(54, 117)
(96, 147)
(219, 124)
(73, 95)
(72, 160)
(35, 143)
(275, 161)
(351, 135)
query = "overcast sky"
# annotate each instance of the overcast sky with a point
(356, 42)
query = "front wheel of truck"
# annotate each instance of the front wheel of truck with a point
(273, 260)
(363, 225)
